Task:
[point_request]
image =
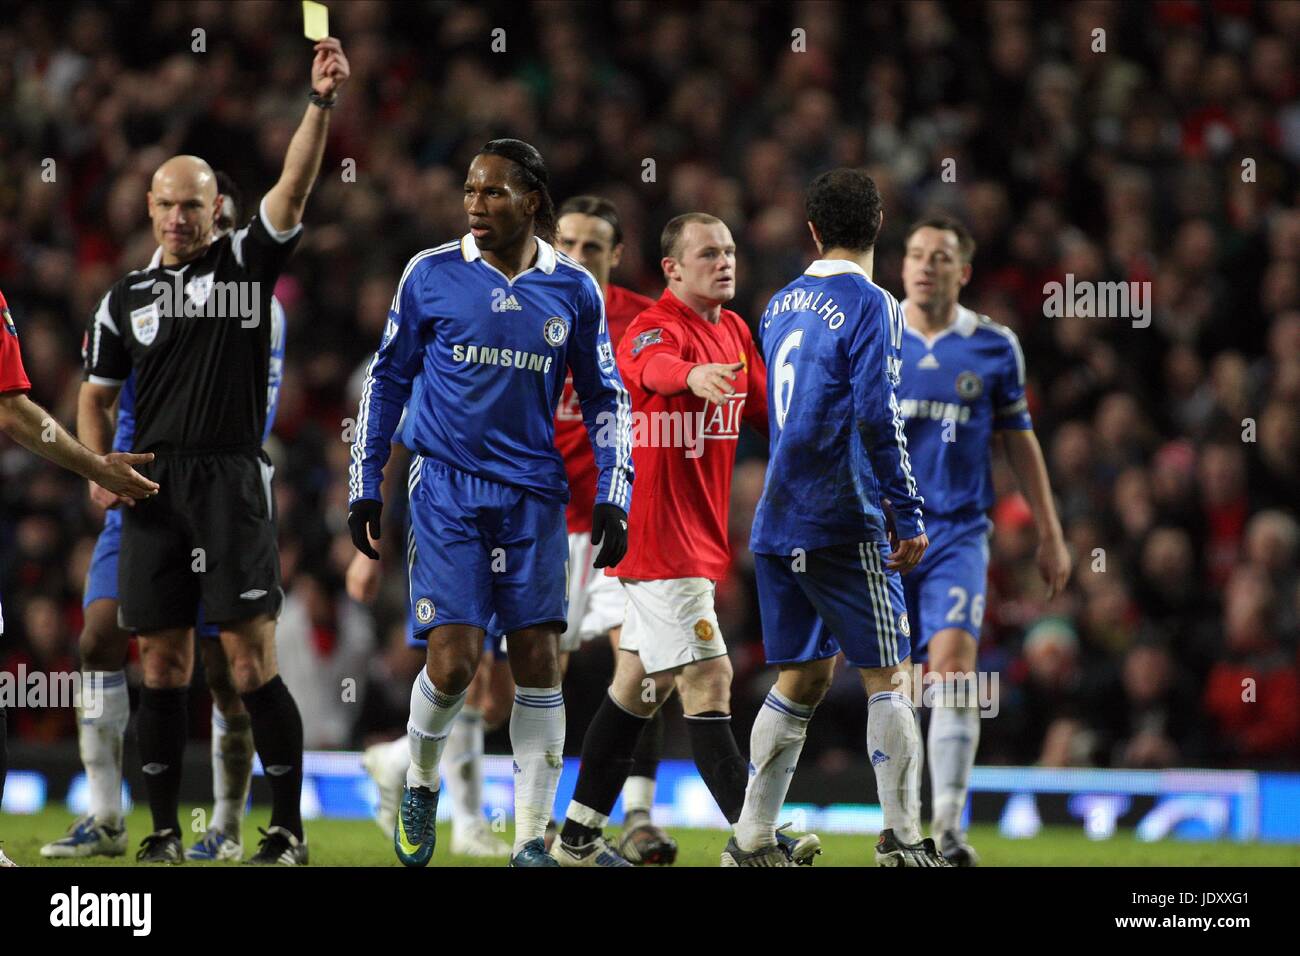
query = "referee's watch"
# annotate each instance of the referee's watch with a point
(324, 102)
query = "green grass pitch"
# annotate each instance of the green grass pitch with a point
(359, 843)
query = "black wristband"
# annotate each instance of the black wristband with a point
(324, 102)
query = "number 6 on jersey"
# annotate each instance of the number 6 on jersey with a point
(783, 378)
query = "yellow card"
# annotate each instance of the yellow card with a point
(315, 20)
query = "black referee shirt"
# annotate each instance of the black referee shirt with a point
(198, 338)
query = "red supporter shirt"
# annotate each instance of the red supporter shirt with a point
(13, 378)
(621, 307)
(683, 447)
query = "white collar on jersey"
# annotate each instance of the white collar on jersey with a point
(834, 267)
(545, 253)
(964, 325)
(156, 261)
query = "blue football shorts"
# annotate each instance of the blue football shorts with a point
(947, 588)
(478, 549)
(842, 598)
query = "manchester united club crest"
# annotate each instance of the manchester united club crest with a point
(555, 331)
(703, 630)
(969, 386)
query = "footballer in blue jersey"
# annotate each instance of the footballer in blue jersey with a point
(492, 322)
(487, 706)
(103, 646)
(963, 387)
(839, 520)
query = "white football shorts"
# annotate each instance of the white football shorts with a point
(596, 600)
(671, 623)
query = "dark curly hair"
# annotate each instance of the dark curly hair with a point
(845, 206)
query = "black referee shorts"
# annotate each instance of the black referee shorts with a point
(207, 536)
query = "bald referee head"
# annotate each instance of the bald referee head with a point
(183, 205)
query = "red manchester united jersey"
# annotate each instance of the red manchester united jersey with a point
(13, 378)
(684, 447)
(621, 307)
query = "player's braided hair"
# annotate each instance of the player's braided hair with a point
(531, 171)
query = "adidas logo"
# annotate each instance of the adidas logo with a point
(928, 362)
(505, 303)
(878, 758)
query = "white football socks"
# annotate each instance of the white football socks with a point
(432, 713)
(953, 739)
(638, 795)
(464, 769)
(537, 737)
(99, 737)
(232, 771)
(895, 747)
(774, 747)
(394, 758)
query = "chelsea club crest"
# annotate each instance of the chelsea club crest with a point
(555, 331)
(424, 610)
(969, 386)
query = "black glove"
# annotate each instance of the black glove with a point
(608, 524)
(365, 513)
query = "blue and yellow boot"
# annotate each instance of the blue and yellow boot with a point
(416, 833)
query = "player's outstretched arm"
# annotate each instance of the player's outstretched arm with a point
(1026, 458)
(36, 430)
(288, 197)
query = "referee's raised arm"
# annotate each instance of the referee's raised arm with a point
(285, 203)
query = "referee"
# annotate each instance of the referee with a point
(196, 333)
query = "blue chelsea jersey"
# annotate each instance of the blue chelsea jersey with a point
(831, 340)
(492, 355)
(956, 390)
(124, 433)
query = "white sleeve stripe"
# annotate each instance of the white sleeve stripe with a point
(618, 485)
(277, 325)
(900, 441)
(280, 236)
(1016, 352)
(355, 479)
(397, 296)
(363, 412)
(101, 380)
(104, 317)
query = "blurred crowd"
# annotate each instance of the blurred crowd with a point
(1163, 149)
